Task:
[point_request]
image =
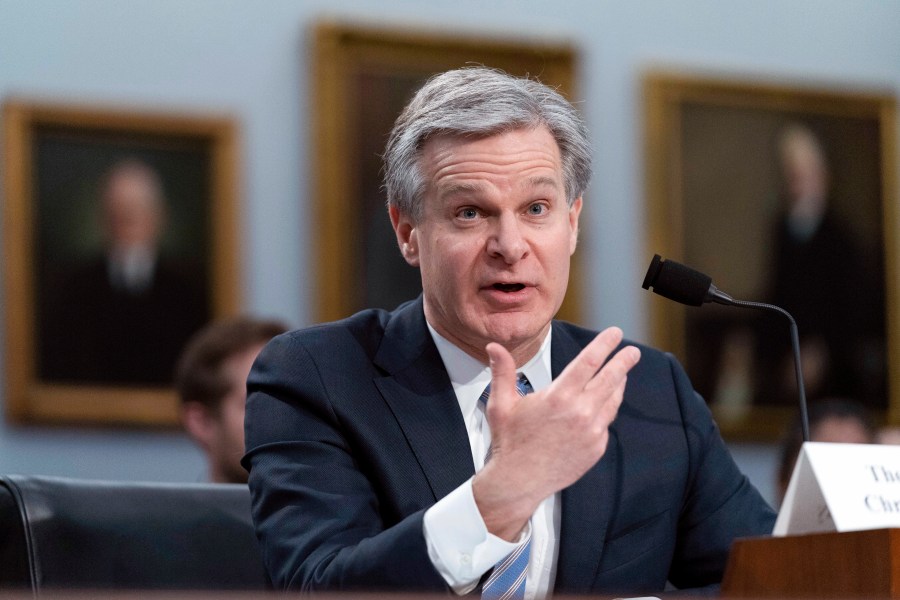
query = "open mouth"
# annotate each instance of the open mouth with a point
(509, 287)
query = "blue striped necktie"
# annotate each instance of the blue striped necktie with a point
(507, 580)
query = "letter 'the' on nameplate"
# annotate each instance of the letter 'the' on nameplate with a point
(842, 487)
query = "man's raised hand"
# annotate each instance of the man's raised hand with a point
(544, 442)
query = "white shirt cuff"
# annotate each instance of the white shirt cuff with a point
(459, 544)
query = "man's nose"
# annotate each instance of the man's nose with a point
(507, 240)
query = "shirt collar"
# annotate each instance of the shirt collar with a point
(470, 376)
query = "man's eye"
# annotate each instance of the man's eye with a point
(537, 209)
(468, 213)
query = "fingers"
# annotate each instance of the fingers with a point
(615, 371)
(503, 376)
(610, 408)
(585, 366)
(593, 370)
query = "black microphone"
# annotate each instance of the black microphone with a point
(683, 284)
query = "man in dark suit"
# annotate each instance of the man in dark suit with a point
(123, 316)
(813, 249)
(377, 458)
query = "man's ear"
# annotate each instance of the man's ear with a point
(407, 235)
(574, 214)
(198, 422)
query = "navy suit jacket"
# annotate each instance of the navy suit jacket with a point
(353, 430)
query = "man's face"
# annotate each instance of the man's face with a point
(806, 178)
(841, 429)
(132, 211)
(494, 240)
(226, 445)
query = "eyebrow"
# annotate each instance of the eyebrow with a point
(460, 188)
(542, 180)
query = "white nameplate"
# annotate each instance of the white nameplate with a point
(842, 487)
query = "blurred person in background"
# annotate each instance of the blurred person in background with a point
(819, 276)
(122, 317)
(211, 379)
(830, 420)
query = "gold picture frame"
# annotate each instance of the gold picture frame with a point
(363, 77)
(715, 197)
(55, 157)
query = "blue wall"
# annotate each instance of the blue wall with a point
(251, 60)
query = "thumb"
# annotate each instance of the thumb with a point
(503, 379)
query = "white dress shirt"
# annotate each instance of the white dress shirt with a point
(131, 269)
(459, 544)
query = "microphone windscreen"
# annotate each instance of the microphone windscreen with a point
(677, 282)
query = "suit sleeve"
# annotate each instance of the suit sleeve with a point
(720, 503)
(316, 511)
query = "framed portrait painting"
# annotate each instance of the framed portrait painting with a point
(363, 79)
(783, 194)
(119, 232)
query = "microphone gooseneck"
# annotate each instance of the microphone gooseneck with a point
(683, 284)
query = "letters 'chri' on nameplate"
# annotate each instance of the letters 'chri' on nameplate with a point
(842, 487)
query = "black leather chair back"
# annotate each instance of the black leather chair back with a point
(80, 534)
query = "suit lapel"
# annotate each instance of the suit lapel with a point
(587, 505)
(418, 391)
